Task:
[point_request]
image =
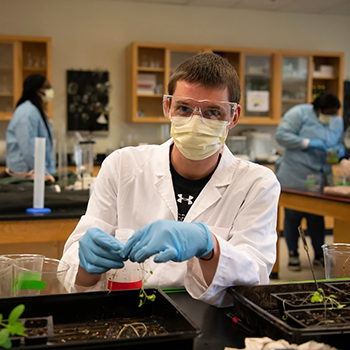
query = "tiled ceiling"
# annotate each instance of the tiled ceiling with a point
(325, 7)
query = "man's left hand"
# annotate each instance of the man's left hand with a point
(171, 240)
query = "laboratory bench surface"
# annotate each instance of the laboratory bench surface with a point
(17, 226)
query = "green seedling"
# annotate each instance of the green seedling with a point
(12, 327)
(320, 297)
(143, 295)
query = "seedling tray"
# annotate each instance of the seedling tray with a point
(93, 320)
(257, 307)
(302, 300)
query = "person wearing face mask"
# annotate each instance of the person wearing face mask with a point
(307, 131)
(203, 218)
(28, 122)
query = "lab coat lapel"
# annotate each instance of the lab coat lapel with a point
(163, 181)
(216, 186)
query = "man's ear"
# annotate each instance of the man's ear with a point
(235, 117)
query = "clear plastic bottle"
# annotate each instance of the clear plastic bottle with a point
(130, 276)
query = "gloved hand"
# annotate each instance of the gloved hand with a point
(317, 144)
(173, 240)
(99, 251)
(340, 149)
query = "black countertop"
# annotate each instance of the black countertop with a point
(15, 199)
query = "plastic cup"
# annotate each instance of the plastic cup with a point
(313, 182)
(336, 260)
(33, 260)
(33, 279)
(128, 277)
(332, 156)
(6, 278)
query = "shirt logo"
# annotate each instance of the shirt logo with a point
(188, 200)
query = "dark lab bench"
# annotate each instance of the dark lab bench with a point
(17, 226)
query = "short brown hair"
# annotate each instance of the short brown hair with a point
(210, 70)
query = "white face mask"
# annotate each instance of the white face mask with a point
(49, 94)
(197, 140)
(324, 118)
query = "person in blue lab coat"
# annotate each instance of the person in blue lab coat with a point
(28, 122)
(307, 131)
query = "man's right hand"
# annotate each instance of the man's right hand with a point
(100, 252)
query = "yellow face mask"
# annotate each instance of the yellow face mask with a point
(197, 140)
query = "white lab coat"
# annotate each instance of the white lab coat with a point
(238, 204)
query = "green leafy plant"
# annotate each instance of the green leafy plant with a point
(143, 295)
(320, 297)
(12, 327)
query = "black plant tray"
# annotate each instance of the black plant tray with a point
(92, 320)
(37, 329)
(342, 286)
(257, 307)
(302, 300)
(339, 318)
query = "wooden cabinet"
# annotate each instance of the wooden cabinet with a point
(19, 57)
(272, 81)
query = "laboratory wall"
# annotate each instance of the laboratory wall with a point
(93, 34)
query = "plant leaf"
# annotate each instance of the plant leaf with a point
(0, 317)
(316, 298)
(4, 335)
(7, 344)
(17, 328)
(16, 313)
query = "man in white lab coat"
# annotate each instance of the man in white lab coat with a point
(203, 218)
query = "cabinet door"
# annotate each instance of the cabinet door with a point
(257, 86)
(34, 58)
(294, 82)
(326, 76)
(6, 80)
(149, 84)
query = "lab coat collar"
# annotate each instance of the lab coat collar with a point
(211, 193)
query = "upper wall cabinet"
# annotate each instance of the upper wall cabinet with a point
(272, 81)
(19, 58)
(149, 68)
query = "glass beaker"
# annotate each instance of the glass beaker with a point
(336, 260)
(84, 157)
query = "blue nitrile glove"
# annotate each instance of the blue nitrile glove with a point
(173, 240)
(317, 144)
(99, 251)
(340, 149)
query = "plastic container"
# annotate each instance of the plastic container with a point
(260, 145)
(5, 278)
(35, 277)
(256, 306)
(313, 182)
(130, 276)
(336, 260)
(237, 145)
(87, 320)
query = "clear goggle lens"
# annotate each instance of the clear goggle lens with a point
(186, 107)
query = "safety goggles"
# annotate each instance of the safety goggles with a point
(186, 107)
